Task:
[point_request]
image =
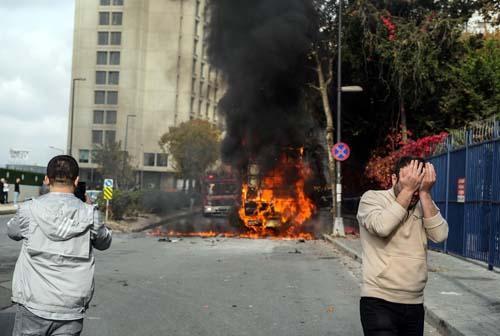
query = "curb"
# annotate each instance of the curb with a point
(345, 249)
(7, 212)
(443, 327)
(167, 220)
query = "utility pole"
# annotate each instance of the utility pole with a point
(70, 149)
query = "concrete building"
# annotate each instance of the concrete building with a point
(145, 69)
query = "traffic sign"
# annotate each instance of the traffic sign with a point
(108, 183)
(108, 189)
(341, 151)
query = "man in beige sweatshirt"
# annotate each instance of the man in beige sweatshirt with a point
(394, 227)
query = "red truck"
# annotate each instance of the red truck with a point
(220, 192)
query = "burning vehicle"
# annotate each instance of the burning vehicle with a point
(274, 201)
(220, 193)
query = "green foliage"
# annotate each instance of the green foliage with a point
(404, 54)
(125, 203)
(194, 146)
(114, 163)
(475, 82)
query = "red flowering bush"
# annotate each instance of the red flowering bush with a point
(380, 165)
(391, 27)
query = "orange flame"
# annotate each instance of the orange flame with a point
(278, 208)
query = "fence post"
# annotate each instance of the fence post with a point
(447, 197)
(464, 237)
(492, 233)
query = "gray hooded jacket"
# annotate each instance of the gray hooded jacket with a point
(54, 274)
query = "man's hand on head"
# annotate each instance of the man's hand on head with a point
(410, 180)
(429, 179)
(411, 176)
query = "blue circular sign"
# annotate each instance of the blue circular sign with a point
(341, 151)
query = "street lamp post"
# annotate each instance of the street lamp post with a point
(338, 224)
(70, 149)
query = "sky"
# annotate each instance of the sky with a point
(36, 38)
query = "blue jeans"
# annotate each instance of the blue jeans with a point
(28, 323)
(16, 197)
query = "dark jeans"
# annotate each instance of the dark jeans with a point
(383, 318)
(28, 323)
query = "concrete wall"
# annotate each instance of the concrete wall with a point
(27, 191)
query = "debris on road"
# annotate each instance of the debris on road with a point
(165, 240)
(295, 252)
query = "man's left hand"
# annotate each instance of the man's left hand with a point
(429, 178)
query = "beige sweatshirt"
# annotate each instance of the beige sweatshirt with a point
(394, 245)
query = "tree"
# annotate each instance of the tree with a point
(379, 168)
(114, 163)
(475, 84)
(323, 56)
(194, 146)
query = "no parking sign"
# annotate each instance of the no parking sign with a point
(341, 151)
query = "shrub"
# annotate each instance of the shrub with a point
(380, 165)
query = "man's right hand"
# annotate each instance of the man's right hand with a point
(411, 176)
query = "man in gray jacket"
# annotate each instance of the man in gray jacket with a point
(54, 276)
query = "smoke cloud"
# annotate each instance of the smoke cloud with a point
(261, 48)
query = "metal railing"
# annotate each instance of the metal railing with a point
(470, 158)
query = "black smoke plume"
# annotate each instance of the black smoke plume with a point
(261, 48)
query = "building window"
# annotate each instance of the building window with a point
(161, 160)
(111, 117)
(100, 77)
(200, 102)
(194, 67)
(112, 98)
(102, 38)
(113, 78)
(197, 7)
(116, 38)
(103, 18)
(207, 110)
(116, 19)
(97, 137)
(84, 156)
(98, 117)
(102, 58)
(202, 71)
(149, 159)
(114, 58)
(99, 97)
(191, 107)
(117, 2)
(193, 85)
(110, 137)
(105, 2)
(195, 47)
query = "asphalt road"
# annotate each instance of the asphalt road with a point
(220, 286)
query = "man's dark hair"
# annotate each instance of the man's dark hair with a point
(405, 161)
(62, 169)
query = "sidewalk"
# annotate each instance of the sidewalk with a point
(7, 209)
(461, 297)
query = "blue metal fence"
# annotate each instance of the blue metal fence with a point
(474, 220)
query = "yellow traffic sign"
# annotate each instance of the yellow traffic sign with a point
(108, 193)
